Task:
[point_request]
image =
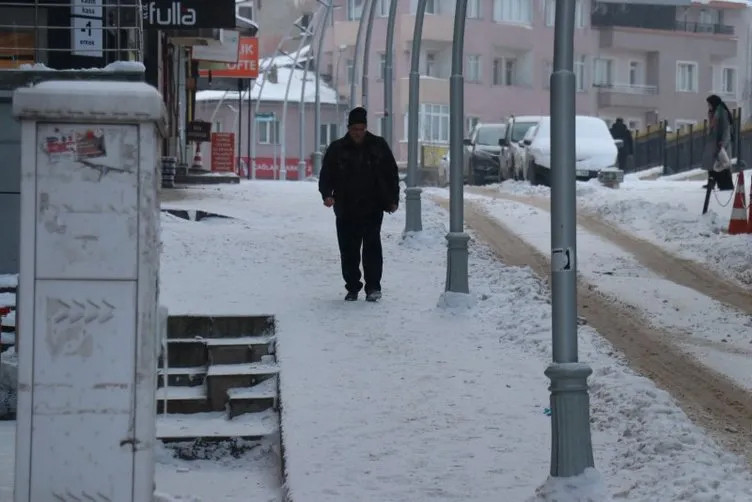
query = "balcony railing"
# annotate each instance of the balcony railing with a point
(609, 19)
(627, 88)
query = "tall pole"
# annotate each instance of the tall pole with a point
(366, 52)
(571, 447)
(389, 73)
(336, 84)
(358, 36)
(251, 82)
(456, 280)
(413, 211)
(240, 122)
(283, 139)
(317, 107)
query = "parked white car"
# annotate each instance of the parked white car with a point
(595, 150)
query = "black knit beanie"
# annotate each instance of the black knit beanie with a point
(357, 116)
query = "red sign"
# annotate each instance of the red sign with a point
(247, 65)
(223, 151)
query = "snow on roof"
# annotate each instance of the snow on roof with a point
(285, 60)
(133, 66)
(276, 92)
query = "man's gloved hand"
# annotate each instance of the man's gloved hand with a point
(329, 201)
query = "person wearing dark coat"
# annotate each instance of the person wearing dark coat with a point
(359, 178)
(720, 128)
(620, 131)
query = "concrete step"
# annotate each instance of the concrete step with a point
(187, 376)
(185, 352)
(183, 399)
(246, 349)
(216, 426)
(222, 377)
(189, 326)
(253, 399)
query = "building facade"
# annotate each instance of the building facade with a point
(644, 63)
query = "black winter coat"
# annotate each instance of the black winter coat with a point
(362, 179)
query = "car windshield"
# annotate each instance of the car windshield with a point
(490, 135)
(519, 129)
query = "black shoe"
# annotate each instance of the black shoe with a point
(373, 296)
(351, 296)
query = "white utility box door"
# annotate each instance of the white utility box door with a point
(88, 291)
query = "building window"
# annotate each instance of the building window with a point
(549, 13)
(686, 76)
(354, 9)
(472, 122)
(473, 68)
(217, 126)
(382, 8)
(473, 9)
(431, 64)
(432, 6)
(728, 80)
(579, 73)
(603, 72)
(505, 71)
(635, 76)
(434, 123)
(548, 69)
(328, 133)
(513, 11)
(350, 69)
(246, 11)
(634, 124)
(268, 131)
(382, 65)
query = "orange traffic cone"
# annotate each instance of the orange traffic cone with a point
(739, 223)
(198, 163)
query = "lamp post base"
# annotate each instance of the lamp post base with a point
(301, 170)
(571, 445)
(317, 156)
(457, 259)
(413, 221)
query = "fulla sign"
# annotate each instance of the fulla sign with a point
(188, 14)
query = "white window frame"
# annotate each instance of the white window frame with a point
(328, 133)
(382, 9)
(473, 9)
(609, 77)
(499, 71)
(513, 11)
(431, 67)
(433, 123)
(268, 131)
(723, 83)
(637, 66)
(217, 126)
(695, 76)
(474, 70)
(580, 69)
(353, 11)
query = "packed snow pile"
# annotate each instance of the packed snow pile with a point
(8, 382)
(116, 66)
(587, 487)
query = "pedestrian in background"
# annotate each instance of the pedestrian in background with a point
(359, 178)
(620, 131)
(715, 158)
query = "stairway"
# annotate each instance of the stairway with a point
(220, 381)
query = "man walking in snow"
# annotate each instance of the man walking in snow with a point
(359, 179)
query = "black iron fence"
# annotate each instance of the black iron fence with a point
(681, 150)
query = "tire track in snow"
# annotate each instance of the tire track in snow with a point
(711, 400)
(681, 271)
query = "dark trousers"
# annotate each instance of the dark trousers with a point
(352, 235)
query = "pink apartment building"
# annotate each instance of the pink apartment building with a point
(642, 62)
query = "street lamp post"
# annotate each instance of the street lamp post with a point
(358, 36)
(336, 85)
(283, 140)
(457, 239)
(317, 107)
(366, 53)
(571, 447)
(413, 221)
(389, 73)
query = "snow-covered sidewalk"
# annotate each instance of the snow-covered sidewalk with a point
(407, 400)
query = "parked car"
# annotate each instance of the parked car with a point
(595, 150)
(481, 153)
(512, 149)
